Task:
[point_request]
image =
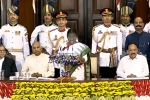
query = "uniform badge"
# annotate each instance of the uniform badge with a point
(100, 32)
(41, 31)
(55, 38)
(113, 32)
(130, 31)
(17, 32)
(121, 31)
(7, 31)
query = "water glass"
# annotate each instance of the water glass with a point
(17, 75)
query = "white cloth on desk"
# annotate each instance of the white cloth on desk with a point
(112, 40)
(15, 37)
(42, 31)
(137, 66)
(75, 49)
(38, 64)
(125, 32)
(1, 63)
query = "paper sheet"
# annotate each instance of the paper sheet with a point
(137, 78)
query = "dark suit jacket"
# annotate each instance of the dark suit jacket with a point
(9, 67)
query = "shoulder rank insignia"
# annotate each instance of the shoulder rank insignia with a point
(95, 27)
(26, 34)
(52, 30)
(117, 25)
(5, 25)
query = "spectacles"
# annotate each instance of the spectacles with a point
(2, 51)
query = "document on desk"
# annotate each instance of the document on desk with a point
(44, 78)
(136, 78)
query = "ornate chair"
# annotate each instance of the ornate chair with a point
(94, 66)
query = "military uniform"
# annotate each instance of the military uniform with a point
(107, 40)
(42, 31)
(126, 29)
(58, 37)
(15, 40)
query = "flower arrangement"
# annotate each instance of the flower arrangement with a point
(141, 87)
(67, 60)
(115, 90)
(64, 59)
(6, 89)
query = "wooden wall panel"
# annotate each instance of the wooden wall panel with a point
(74, 8)
(97, 5)
(26, 15)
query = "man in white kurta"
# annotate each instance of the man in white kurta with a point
(38, 64)
(58, 36)
(42, 30)
(15, 38)
(107, 41)
(126, 27)
(133, 65)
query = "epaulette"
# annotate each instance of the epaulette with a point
(53, 29)
(117, 25)
(5, 25)
(22, 27)
(96, 26)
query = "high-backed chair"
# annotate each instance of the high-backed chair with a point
(94, 66)
(44, 51)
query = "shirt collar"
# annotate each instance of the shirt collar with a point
(48, 24)
(138, 33)
(126, 24)
(62, 30)
(134, 58)
(107, 26)
(37, 56)
(13, 24)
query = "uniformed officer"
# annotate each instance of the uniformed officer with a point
(42, 30)
(15, 37)
(58, 36)
(126, 27)
(107, 42)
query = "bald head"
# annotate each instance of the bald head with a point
(36, 48)
(138, 18)
(138, 24)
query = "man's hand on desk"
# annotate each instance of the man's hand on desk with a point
(36, 75)
(131, 76)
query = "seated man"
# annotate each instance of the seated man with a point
(38, 64)
(133, 65)
(7, 64)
